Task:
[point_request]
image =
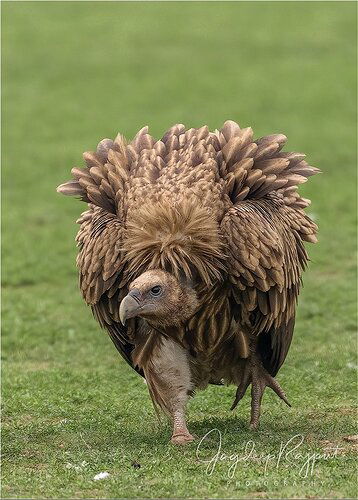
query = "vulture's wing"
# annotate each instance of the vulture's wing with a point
(100, 266)
(266, 259)
(100, 259)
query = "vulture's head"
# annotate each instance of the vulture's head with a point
(159, 297)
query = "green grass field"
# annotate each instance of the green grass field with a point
(75, 72)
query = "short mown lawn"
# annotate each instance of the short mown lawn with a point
(75, 72)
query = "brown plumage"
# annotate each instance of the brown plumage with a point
(191, 254)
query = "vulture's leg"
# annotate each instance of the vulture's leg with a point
(169, 382)
(180, 435)
(255, 373)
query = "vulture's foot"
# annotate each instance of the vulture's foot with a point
(258, 376)
(182, 438)
(181, 435)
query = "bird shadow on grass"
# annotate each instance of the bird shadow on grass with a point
(233, 430)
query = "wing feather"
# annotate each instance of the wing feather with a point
(266, 258)
(101, 269)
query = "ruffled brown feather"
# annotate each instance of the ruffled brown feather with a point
(220, 207)
(180, 238)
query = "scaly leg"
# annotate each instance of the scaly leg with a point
(169, 382)
(181, 435)
(255, 373)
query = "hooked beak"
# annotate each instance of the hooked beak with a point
(130, 306)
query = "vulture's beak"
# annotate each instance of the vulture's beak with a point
(130, 306)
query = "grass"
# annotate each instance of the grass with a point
(75, 72)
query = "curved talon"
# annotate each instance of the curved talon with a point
(275, 386)
(241, 390)
(259, 378)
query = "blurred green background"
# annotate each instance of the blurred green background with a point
(75, 72)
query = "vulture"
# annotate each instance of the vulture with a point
(191, 253)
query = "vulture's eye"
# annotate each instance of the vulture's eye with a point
(156, 290)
